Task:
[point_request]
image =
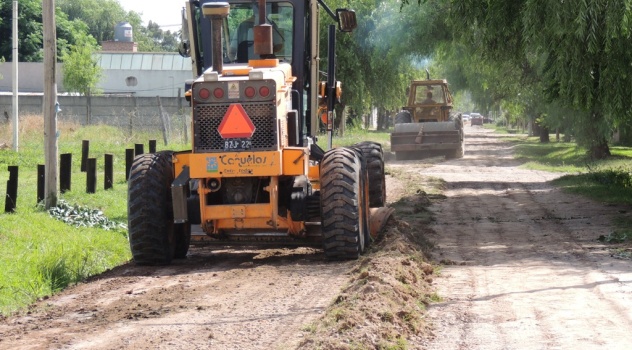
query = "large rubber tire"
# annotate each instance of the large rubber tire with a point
(343, 206)
(403, 117)
(154, 238)
(374, 156)
(364, 201)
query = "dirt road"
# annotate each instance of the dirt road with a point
(523, 270)
(528, 271)
(212, 300)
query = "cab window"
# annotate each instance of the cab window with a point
(238, 31)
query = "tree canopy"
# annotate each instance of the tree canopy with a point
(75, 19)
(571, 58)
(81, 71)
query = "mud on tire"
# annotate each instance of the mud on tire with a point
(154, 238)
(343, 206)
(374, 156)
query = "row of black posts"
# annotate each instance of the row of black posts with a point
(88, 165)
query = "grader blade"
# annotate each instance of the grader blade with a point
(378, 219)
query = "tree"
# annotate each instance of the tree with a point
(160, 40)
(30, 30)
(100, 15)
(577, 52)
(81, 69)
(379, 59)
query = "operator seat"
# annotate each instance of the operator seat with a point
(245, 41)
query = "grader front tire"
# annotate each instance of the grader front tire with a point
(343, 204)
(154, 238)
(374, 156)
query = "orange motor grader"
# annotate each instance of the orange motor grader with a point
(255, 174)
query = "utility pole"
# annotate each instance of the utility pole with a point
(15, 76)
(50, 104)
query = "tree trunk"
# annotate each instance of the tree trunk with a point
(600, 150)
(597, 139)
(544, 134)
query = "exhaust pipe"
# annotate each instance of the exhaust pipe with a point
(263, 33)
(216, 12)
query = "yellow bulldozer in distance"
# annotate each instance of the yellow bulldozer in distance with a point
(255, 174)
(425, 127)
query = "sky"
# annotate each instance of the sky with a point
(167, 13)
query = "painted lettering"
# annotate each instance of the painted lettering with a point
(241, 162)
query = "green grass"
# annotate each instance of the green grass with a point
(552, 156)
(41, 255)
(605, 185)
(353, 136)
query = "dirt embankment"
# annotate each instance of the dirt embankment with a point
(521, 270)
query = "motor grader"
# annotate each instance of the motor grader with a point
(255, 174)
(425, 127)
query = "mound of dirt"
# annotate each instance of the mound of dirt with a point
(384, 304)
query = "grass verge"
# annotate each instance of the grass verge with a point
(40, 254)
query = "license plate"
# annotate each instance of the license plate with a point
(237, 144)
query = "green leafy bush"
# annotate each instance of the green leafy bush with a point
(619, 177)
(80, 216)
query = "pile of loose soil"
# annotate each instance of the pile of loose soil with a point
(384, 303)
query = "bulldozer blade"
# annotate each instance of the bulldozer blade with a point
(378, 218)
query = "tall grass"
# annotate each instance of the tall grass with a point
(40, 255)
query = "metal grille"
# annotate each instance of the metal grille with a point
(207, 117)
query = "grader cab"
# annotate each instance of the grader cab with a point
(255, 174)
(425, 127)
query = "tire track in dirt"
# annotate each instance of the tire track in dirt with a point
(578, 256)
(214, 299)
(534, 276)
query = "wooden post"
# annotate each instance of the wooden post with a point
(133, 115)
(164, 121)
(41, 172)
(108, 178)
(343, 121)
(50, 105)
(139, 149)
(89, 107)
(65, 172)
(91, 176)
(85, 152)
(152, 146)
(12, 190)
(129, 159)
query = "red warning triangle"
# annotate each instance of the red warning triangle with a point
(236, 123)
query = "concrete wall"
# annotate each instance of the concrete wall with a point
(30, 77)
(142, 112)
(147, 82)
